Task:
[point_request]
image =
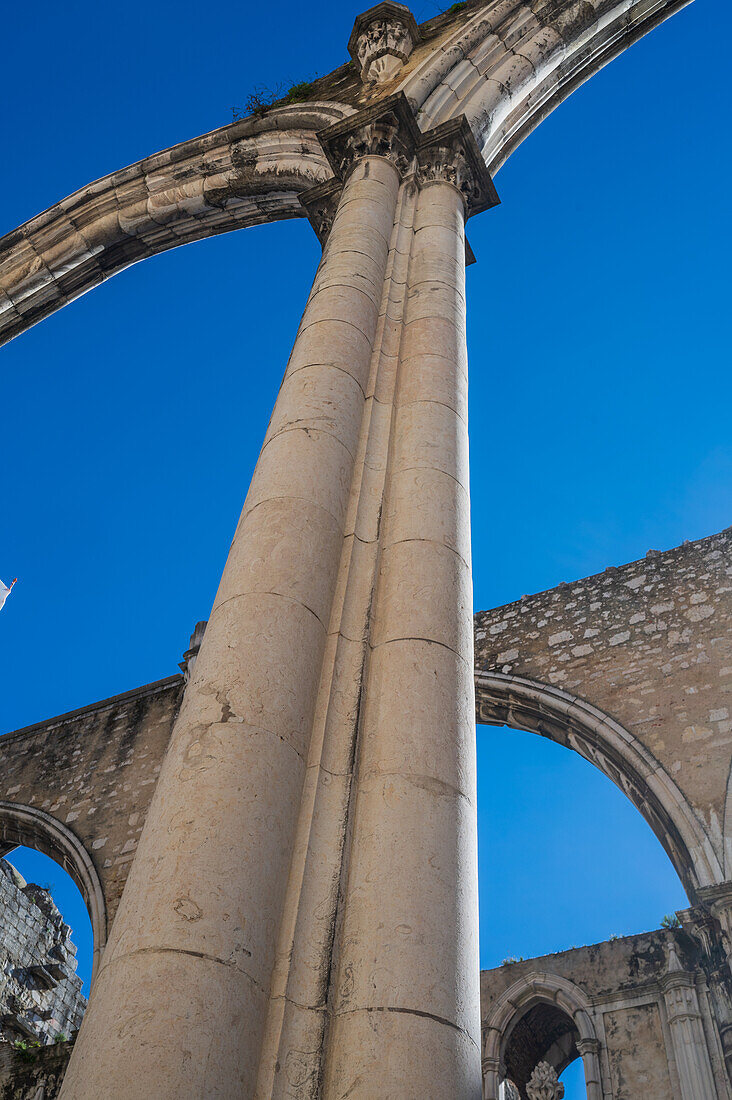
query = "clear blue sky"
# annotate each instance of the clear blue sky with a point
(600, 389)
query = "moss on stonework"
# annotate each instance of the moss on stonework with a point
(298, 93)
(21, 1076)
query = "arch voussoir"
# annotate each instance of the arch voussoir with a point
(32, 828)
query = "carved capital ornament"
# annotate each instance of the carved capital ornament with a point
(387, 129)
(544, 1084)
(450, 153)
(447, 153)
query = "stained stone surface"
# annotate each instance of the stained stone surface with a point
(649, 644)
(607, 1004)
(34, 1075)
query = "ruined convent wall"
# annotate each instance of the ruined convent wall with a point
(650, 645)
(94, 771)
(633, 1010)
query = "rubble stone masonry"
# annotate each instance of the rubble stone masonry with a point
(40, 992)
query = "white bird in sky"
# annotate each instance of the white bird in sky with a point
(5, 591)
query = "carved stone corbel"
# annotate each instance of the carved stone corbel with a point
(382, 40)
(321, 203)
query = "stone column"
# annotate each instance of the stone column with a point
(180, 1002)
(301, 988)
(589, 1050)
(324, 755)
(709, 923)
(408, 972)
(687, 1030)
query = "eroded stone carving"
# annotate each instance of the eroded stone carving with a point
(544, 1084)
(382, 40)
(388, 129)
(450, 152)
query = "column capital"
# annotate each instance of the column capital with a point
(449, 152)
(385, 129)
(388, 129)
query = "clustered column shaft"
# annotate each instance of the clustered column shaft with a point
(302, 909)
(408, 966)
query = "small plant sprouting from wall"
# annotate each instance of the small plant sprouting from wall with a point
(261, 99)
(670, 921)
(27, 1049)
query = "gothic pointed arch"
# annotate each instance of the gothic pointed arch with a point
(562, 1029)
(33, 828)
(535, 707)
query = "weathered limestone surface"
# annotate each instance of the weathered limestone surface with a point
(243, 174)
(40, 992)
(94, 772)
(36, 1075)
(609, 1005)
(282, 747)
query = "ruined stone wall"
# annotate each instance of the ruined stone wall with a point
(33, 1074)
(623, 988)
(650, 644)
(40, 992)
(95, 772)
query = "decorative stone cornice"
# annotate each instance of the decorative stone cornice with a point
(386, 129)
(450, 152)
(382, 40)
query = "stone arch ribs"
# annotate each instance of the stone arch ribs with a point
(538, 708)
(24, 825)
(534, 989)
(505, 67)
(514, 61)
(243, 174)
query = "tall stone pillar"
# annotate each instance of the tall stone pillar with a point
(302, 910)
(709, 923)
(180, 1001)
(589, 1050)
(408, 967)
(687, 1031)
